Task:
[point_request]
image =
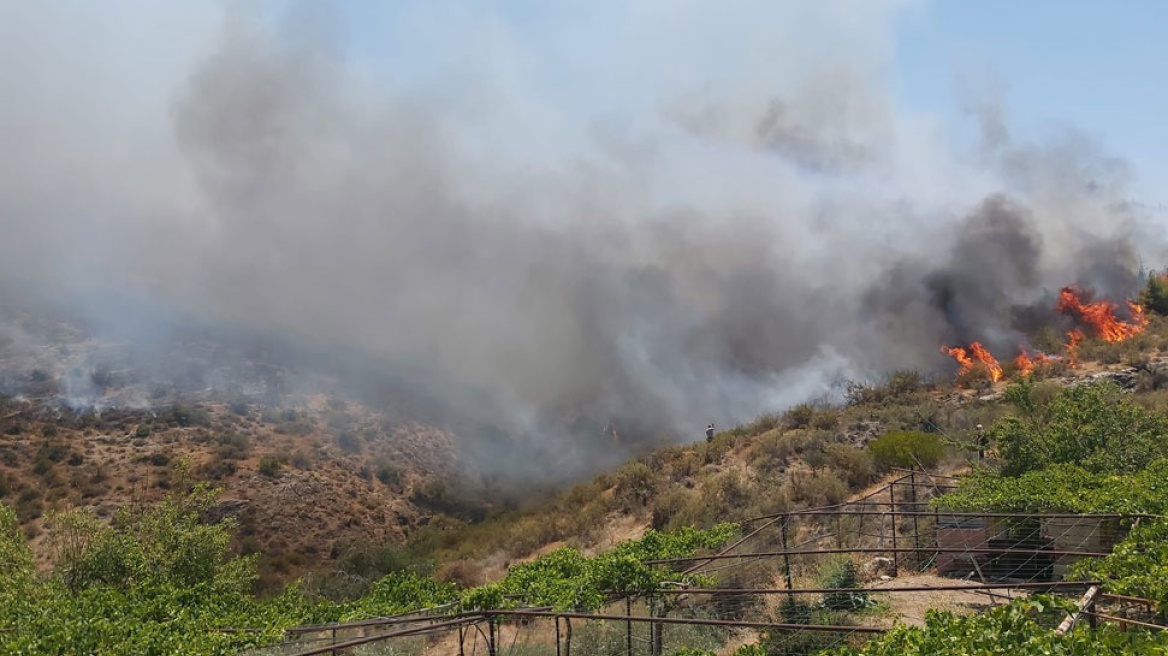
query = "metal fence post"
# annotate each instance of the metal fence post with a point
(629, 626)
(786, 557)
(916, 526)
(892, 517)
(491, 636)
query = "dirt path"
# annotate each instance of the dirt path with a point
(910, 607)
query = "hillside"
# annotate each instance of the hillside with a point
(368, 513)
(332, 484)
(304, 483)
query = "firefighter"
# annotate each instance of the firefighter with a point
(981, 443)
(710, 433)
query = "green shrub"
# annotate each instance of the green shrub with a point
(1093, 425)
(1154, 296)
(270, 466)
(907, 450)
(1024, 627)
(840, 572)
(234, 446)
(186, 416)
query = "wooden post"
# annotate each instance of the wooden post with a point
(892, 517)
(1087, 603)
(334, 641)
(839, 530)
(568, 636)
(557, 636)
(462, 638)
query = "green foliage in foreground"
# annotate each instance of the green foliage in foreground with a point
(1094, 426)
(1022, 628)
(1063, 488)
(1138, 566)
(396, 593)
(159, 580)
(567, 580)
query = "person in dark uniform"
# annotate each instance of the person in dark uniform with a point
(710, 433)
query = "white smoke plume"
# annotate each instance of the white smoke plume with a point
(654, 214)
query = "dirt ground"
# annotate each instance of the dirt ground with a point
(910, 607)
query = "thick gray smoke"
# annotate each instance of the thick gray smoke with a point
(710, 216)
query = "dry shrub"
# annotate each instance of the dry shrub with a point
(685, 465)
(751, 574)
(463, 573)
(635, 484)
(826, 419)
(669, 505)
(814, 489)
(799, 416)
(732, 488)
(854, 464)
(772, 452)
(582, 494)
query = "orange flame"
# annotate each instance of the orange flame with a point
(976, 353)
(1073, 339)
(1025, 364)
(1100, 316)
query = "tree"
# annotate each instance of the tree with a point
(1154, 296)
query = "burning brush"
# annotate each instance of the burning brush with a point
(1099, 317)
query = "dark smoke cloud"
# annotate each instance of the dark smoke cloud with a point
(481, 259)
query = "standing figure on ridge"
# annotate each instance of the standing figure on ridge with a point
(710, 433)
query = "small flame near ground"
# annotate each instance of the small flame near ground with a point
(974, 354)
(1025, 363)
(1097, 316)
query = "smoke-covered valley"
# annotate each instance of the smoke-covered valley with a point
(696, 219)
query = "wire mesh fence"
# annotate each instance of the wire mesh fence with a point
(798, 582)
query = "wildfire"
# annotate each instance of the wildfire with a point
(1025, 364)
(1100, 316)
(1073, 339)
(976, 353)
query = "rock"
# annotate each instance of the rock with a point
(226, 508)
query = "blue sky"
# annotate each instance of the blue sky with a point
(1096, 65)
(1092, 65)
